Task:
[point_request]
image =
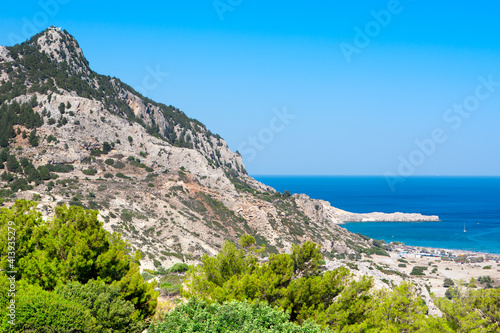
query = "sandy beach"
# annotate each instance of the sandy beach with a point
(441, 264)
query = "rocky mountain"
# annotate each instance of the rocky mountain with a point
(162, 180)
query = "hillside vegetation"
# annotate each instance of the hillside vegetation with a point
(73, 276)
(69, 274)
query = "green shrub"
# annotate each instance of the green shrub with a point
(242, 317)
(89, 172)
(62, 108)
(7, 176)
(111, 311)
(121, 175)
(147, 276)
(179, 268)
(106, 147)
(19, 184)
(127, 215)
(38, 310)
(50, 185)
(171, 289)
(109, 161)
(119, 165)
(485, 279)
(44, 172)
(72, 246)
(448, 283)
(418, 270)
(375, 250)
(60, 168)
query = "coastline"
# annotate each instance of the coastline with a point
(440, 264)
(454, 200)
(453, 252)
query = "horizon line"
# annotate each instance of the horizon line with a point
(337, 175)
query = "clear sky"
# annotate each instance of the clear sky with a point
(317, 87)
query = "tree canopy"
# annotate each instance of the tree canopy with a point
(297, 284)
(72, 259)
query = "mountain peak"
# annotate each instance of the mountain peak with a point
(61, 46)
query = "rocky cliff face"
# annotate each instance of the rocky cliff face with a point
(162, 180)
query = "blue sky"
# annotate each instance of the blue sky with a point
(236, 64)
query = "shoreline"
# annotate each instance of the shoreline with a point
(451, 248)
(456, 252)
(439, 264)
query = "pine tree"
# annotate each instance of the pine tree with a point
(13, 165)
(33, 139)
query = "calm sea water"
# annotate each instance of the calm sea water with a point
(470, 202)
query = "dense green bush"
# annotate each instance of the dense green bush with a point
(89, 172)
(106, 147)
(73, 256)
(448, 283)
(105, 304)
(179, 268)
(38, 310)
(7, 176)
(60, 168)
(375, 250)
(418, 270)
(119, 165)
(231, 317)
(485, 279)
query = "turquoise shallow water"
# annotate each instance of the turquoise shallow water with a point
(458, 201)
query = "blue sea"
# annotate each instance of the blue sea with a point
(472, 203)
